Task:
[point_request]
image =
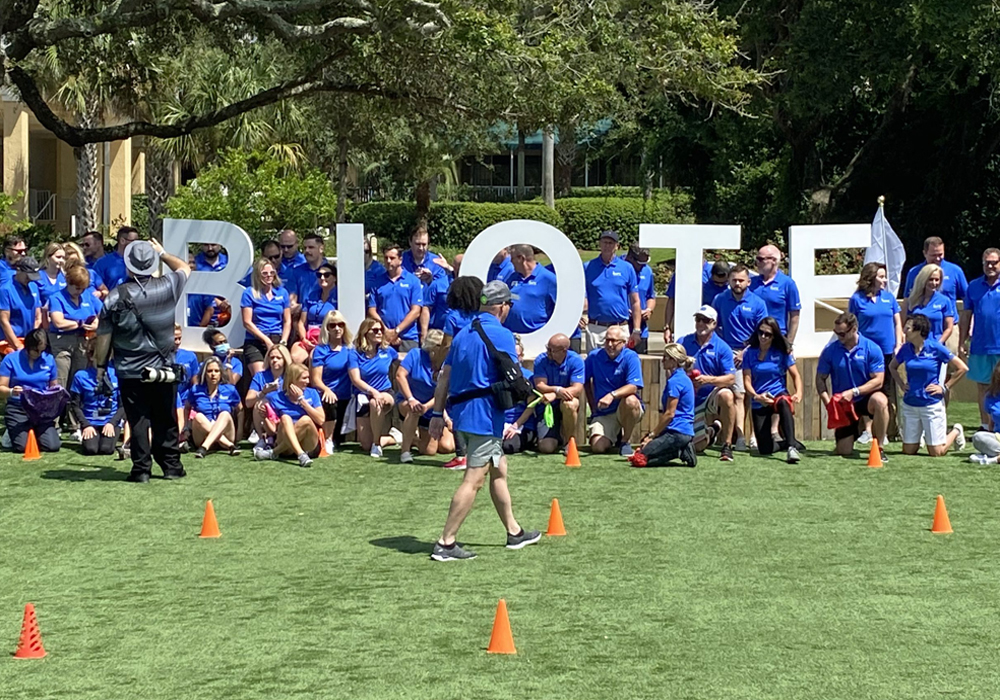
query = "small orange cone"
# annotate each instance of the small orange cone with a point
(322, 444)
(209, 525)
(875, 455)
(29, 646)
(942, 524)
(572, 454)
(556, 527)
(31, 452)
(501, 641)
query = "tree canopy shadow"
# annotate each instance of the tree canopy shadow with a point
(99, 473)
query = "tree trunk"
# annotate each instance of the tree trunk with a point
(548, 168)
(87, 177)
(423, 202)
(342, 179)
(159, 171)
(566, 153)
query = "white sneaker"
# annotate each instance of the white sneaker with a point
(396, 435)
(864, 438)
(77, 435)
(960, 439)
(982, 459)
(329, 446)
(261, 444)
(753, 442)
(254, 437)
(376, 452)
(406, 458)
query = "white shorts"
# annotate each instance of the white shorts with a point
(929, 421)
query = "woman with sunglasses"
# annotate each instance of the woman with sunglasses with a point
(766, 362)
(297, 407)
(315, 306)
(329, 374)
(262, 386)
(924, 412)
(416, 378)
(214, 403)
(368, 368)
(267, 314)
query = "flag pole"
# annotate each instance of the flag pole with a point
(881, 226)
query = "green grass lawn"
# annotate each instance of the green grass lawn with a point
(751, 580)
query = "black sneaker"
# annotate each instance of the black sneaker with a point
(523, 540)
(881, 454)
(200, 453)
(138, 477)
(726, 453)
(688, 457)
(174, 474)
(452, 553)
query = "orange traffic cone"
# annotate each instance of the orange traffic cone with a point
(572, 454)
(209, 525)
(942, 524)
(31, 452)
(875, 455)
(322, 444)
(501, 641)
(29, 646)
(556, 527)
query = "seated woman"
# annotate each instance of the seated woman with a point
(31, 367)
(520, 423)
(766, 362)
(193, 369)
(368, 368)
(329, 375)
(315, 307)
(214, 404)
(300, 415)
(987, 440)
(263, 385)
(923, 411)
(218, 343)
(674, 433)
(416, 378)
(97, 407)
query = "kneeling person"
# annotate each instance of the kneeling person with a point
(520, 427)
(673, 434)
(614, 377)
(559, 376)
(97, 408)
(716, 388)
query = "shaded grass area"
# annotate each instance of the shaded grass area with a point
(751, 580)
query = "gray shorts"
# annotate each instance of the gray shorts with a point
(407, 345)
(482, 449)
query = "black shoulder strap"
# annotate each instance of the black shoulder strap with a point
(490, 347)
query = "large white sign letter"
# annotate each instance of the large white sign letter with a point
(351, 297)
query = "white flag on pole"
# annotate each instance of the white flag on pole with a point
(886, 248)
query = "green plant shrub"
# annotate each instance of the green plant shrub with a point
(584, 218)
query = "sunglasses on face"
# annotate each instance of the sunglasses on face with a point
(375, 330)
(761, 258)
(841, 334)
(991, 263)
(268, 273)
(276, 256)
(613, 341)
(324, 275)
(285, 246)
(336, 325)
(765, 334)
(19, 250)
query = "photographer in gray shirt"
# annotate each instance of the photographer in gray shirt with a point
(137, 322)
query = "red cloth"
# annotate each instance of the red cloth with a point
(840, 414)
(786, 398)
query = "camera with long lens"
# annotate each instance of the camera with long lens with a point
(163, 375)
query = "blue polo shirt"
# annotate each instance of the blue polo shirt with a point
(512, 414)
(334, 362)
(22, 373)
(419, 375)
(287, 266)
(472, 368)
(710, 290)
(984, 303)
(22, 303)
(304, 282)
(46, 287)
(436, 302)
(767, 375)
(374, 271)
(608, 288)
(953, 282)
(876, 318)
(190, 361)
(536, 300)
(202, 264)
(679, 387)
(738, 319)
(430, 262)
(268, 314)
(780, 295)
(316, 309)
(97, 408)
(608, 374)
(262, 378)
(89, 307)
(848, 369)
(923, 369)
(937, 309)
(501, 271)
(197, 303)
(226, 399)
(646, 289)
(570, 371)
(6, 272)
(393, 299)
(457, 320)
(111, 267)
(284, 406)
(95, 277)
(991, 404)
(375, 369)
(713, 359)
(706, 276)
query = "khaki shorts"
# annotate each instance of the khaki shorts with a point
(482, 450)
(596, 333)
(608, 426)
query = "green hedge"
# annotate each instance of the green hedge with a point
(455, 224)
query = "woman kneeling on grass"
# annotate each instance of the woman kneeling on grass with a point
(766, 362)
(263, 385)
(923, 391)
(987, 442)
(417, 377)
(300, 414)
(214, 402)
(675, 431)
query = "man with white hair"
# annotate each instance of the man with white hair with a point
(778, 290)
(614, 379)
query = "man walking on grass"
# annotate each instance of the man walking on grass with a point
(465, 382)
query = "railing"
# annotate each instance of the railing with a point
(42, 205)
